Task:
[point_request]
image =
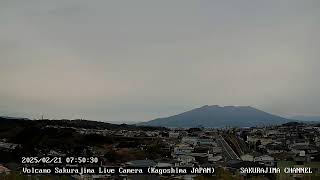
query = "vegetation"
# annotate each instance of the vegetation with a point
(39, 138)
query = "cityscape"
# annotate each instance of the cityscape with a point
(235, 153)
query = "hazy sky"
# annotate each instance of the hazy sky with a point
(138, 60)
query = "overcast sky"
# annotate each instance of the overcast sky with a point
(127, 60)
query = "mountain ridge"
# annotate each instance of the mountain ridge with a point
(219, 116)
(306, 118)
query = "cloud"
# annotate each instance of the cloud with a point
(138, 60)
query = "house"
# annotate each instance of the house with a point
(299, 142)
(214, 158)
(308, 149)
(275, 148)
(185, 160)
(265, 159)
(263, 140)
(247, 157)
(190, 140)
(216, 150)
(201, 158)
(174, 135)
(207, 141)
(184, 148)
(317, 140)
(301, 158)
(272, 132)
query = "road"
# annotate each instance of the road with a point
(228, 151)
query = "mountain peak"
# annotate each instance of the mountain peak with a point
(209, 106)
(226, 107)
